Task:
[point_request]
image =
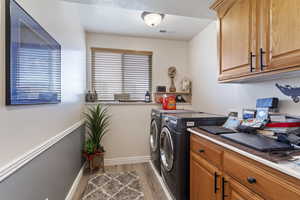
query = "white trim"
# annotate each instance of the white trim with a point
(277, 166)
(75, 184)
(19, 162)
(162, 183)
(126, 160)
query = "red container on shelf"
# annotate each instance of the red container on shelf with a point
(169, 103)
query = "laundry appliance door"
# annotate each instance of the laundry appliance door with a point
(166, 149)
(154, 136)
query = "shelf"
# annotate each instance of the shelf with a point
(177, 93)
(129, 103)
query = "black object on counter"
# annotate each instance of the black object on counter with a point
(247, 129)
(257, 142)
(216, 130)
(288, 138)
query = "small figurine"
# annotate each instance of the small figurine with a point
(172, 75)
(88, 96)
(95, 96)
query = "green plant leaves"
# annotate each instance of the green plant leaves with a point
(97, 123)
(89, 147)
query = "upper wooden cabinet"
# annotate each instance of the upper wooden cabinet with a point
(236, 37)
(257, 38)
(280, 30)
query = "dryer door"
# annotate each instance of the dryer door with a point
(153, 136)
(166, 149)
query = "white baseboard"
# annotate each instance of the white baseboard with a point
(75, 184)
(162, 183)
(126, 160)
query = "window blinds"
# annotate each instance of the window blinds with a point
(37, 77)
(121, 72)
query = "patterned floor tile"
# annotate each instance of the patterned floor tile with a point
(90, 187)
(100, 180)
(97, 195)
(136, 185)
(114, 186)
(127, 194)
(125, 178)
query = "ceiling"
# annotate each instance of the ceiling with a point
(189, 8)
(182, 21)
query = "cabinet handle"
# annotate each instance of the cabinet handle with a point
(251, 180)
(223, 188)
(251, 61)
(262, 53)
(201, 150)
(216, 182)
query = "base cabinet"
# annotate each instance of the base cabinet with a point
(225, 175)
(236, 191)
(204, 180)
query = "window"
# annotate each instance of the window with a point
(33, 61)
(121, 72)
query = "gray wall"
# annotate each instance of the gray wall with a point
(50, 175)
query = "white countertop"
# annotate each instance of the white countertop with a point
(291, 168)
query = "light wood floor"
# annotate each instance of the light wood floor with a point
(151, 186)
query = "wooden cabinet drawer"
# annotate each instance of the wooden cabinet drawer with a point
(236, 191)
(269, 186)
(207, 150)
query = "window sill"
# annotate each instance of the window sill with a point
(127, 103)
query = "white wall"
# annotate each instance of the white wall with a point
(129, 131)
(210, 96)
(24, 127)
(166, 53)
(130, 124)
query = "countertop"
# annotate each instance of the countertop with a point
(291, 168)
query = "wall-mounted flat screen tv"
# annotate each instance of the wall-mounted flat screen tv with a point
(33, 60)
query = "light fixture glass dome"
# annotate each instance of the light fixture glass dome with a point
(152, 19)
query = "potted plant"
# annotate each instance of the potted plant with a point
(97, 122)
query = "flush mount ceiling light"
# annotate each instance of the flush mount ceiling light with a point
(152, 19)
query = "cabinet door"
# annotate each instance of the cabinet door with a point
(237, 38)
(232, 190)
(204, 180)
(280, 28)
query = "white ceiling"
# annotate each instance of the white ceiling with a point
(189, 8)
(119, 17)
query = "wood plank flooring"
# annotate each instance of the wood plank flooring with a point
(151, 186)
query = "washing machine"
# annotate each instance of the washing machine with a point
(174, 149)
(155, 129)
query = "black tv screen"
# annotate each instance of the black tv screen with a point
(33, 60)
